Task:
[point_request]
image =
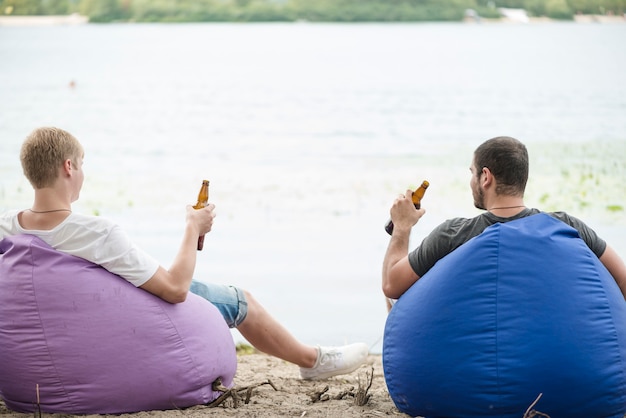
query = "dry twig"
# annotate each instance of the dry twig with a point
(235, 393)
(320, 395)
(361, 398)
(37, 411)
(531, 413)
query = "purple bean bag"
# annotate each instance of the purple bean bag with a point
(89, 342)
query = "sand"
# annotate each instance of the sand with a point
(289, 396)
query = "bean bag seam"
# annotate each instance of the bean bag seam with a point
(497, 319)
(32, 250)
(182, 341)
(613, 331)
(593, 259)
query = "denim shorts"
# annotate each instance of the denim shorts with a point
(229, 300)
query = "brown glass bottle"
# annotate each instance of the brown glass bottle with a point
(417, 196)
(203, 200)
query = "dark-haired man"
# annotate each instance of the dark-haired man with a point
(499, 172)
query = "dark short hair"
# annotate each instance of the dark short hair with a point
(507, 159)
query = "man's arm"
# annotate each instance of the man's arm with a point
(398, 275)
(173, 285)
(615, 265)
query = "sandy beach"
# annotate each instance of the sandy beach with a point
(277, 390)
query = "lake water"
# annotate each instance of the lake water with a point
(307, 133)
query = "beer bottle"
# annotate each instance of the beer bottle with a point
(417, 196)
(203, 200)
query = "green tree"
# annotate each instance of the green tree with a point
(312, 10)
(101, 10)
(617, 7)
(558, 9)
(56, 7)
(536, 7)
(21, 7)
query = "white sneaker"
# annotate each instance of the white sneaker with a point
(332, 361)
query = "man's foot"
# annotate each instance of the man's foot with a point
(333, 361)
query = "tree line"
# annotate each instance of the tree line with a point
(303, 10)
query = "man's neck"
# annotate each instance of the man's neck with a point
(49, 199)
(506, 208)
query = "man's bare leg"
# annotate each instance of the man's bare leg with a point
(267, 335)
(270, 337)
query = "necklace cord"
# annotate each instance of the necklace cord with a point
(507, 207)
(50, 211)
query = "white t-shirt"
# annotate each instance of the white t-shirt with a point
(93, 238)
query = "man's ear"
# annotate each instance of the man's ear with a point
(486, 177)
(67, 166)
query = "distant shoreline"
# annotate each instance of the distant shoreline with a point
(52, 20)
(543, 19)
(76, 19)
(599, 19)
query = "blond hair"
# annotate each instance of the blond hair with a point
(44, 152)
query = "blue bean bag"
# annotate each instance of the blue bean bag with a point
(521, 310)
(85, 341)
